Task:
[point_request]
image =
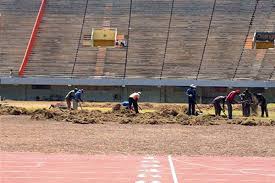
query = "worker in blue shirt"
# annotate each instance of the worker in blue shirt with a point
(191, 93)
(69, 97)
(77, 98)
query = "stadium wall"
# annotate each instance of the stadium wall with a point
(167, 94)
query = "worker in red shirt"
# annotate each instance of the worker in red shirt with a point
(230, 99)
(133, 99)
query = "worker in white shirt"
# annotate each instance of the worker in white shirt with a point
(133, 100)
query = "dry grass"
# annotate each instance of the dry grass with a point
(147, 107)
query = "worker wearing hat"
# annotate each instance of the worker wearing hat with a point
(69, 97)
(77, 98)
(230, 99)
(133, 100)
(191, 93)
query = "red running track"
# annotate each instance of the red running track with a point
(67, 168)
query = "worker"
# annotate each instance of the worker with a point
(69, 97)
(242, 102)
(217, 104)
(11, 73)
(191, 93)
(133, 100)
(246, 100)
(124, 104)
(262, 102)
(77, 98)
(230, 99)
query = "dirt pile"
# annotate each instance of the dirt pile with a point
(81, 117)
(10, 110)
(166, 114)
(252, 122)
(204, 120)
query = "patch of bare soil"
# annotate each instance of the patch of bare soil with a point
(21, 134)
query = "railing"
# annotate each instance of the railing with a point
(32, 38)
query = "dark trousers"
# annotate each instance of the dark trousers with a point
(134, 103)
(243, 109)
(218, 109)
(246, 109)
(68, 101)
(229, 108)
(191, 108)
(264, 110)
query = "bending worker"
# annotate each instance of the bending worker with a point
(69, 97)
(191, 93)
(217, 104)
(77, 98)
(230, 99)
(246, 99)
(133, 100)
(262, 102)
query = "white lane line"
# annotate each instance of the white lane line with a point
(141, 175)
(175, 179)
(243, 171)
(248, 171)
(140, 181)
(153, 170)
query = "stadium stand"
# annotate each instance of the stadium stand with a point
(148, 33)
(226, 39)
(257, 63)
(57, 41)
(190, 22)
(99, 61)
(16, 22)
(183, 39)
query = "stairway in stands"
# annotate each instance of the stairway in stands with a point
(16, 23)
(56, 44)
(100, 60)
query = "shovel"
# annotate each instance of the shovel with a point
(224, 113)
(199, 108)
(80, 106)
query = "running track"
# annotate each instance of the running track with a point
(66, 168)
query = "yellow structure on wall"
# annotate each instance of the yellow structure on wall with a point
(264, 45)
(264, 40)
(103, 37)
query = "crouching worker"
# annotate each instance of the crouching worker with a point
(117, 107)
(133, 100)
(230, 99)
(77, 98)
(217, 104)
(69, 97)
(58, 105)
(262, 102)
